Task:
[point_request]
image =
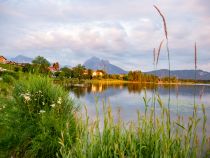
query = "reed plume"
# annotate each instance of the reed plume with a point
(169, 63)
(159, 49)
(164, 21)
(154, 56)
(166, 36)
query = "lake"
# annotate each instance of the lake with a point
(128, 98)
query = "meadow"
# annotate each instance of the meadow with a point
(39, 119)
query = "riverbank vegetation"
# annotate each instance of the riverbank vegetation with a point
(38, 119)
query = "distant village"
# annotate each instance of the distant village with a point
(40, 65)
(54, 68)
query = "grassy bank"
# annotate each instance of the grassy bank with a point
(38, 119)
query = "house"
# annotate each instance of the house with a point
(98, 73)
(54, 68)
(85, 72)
(11, 62)
(3, 60)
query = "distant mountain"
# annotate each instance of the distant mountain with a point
(95, 63)
(22, 59)
(183, 74)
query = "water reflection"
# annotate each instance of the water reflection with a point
(188, 90)
(128, 97)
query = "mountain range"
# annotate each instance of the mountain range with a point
(182, 74)
(95, 63)
(21, 59)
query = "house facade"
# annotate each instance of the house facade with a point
(54, 68)
(98, 73)
(3, 60)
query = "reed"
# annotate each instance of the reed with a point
(158, 53)
(169, 63)
(166, 36)
(110, 136)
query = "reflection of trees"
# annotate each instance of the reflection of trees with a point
(137, 88)
(79, 91)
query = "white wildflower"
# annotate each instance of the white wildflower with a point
(53, 105)
(27, 98)
(59, 100)
(42, 111)
(43, 103)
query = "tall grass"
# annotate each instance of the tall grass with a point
(169, 62)
(112, 137)
(34, 117)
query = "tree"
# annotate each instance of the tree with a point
(41, 61)
(78, 71)
(67, 72)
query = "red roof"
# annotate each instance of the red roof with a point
(51, 68)
(3, 57)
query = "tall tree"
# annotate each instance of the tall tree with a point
(41, 61)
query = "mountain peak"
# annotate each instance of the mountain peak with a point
(95, 63)
(21, 59)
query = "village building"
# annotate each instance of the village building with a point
(98, 73)
(54, 68)
(85, 72)
(3, 60)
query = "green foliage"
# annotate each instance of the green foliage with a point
(17, 68)
(150, 136)
(41, 61)
(34, 119)
(15, 75)
(78, 71)
(167, 79)
(30, 68)
(140, 77)
(8, 79)
(67, 72)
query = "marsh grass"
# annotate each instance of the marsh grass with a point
(33, 118)
(112, 137)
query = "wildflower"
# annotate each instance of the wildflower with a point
(42, 111)
(27, 98)
(59, 100)
(43, 103)
(53, 105)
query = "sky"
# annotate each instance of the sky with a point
(125, 32)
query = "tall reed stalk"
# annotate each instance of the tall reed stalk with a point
(195, 77)
(169, 63)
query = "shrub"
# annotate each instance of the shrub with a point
(35, 118)
(15, 75)
(8, 79)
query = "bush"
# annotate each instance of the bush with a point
(15, 75)
(8, 79)
(35, 118)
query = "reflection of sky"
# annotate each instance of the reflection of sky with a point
(130, 103)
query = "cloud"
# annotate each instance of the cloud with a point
(124, 32)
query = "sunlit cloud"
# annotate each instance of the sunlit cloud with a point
(124, 32)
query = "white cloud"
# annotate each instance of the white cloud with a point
(122, 31)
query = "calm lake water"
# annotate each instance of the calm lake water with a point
(129, 99)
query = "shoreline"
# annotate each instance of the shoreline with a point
(108, 81)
